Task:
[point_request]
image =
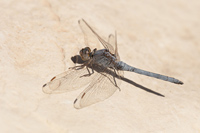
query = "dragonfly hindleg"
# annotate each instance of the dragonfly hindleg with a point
(115, 80)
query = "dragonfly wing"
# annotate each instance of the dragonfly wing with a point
(91, 36)
(113, 41)
(68, 81)
(101, 88)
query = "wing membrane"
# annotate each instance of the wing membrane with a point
(101, 88)
(113, 41)
(68, 81)
(91, 35)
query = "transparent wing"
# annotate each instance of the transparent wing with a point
(91, 36)
(68, 81)
(101, 88)
(113, 41)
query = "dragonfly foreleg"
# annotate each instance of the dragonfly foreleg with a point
(88, 64)
(88, 70)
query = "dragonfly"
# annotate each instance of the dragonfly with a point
(101, 72)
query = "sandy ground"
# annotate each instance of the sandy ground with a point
(38, 38)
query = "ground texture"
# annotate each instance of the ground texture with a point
(38, 38)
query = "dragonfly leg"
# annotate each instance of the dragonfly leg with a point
(87, 64)
(90, 62)
(86, 75)
(92, 67)
(88, 71)
(115, 80)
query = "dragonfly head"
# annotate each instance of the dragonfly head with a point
(85, 53)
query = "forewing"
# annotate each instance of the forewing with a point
(91, 36)
(68, 81)
(101, 88)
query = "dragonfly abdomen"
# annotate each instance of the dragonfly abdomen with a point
(125, 67)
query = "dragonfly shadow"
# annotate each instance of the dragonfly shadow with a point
(77, 59)
(141, 87)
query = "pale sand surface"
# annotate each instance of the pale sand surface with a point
(38, 38)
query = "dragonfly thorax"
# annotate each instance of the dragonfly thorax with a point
(85, 53)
